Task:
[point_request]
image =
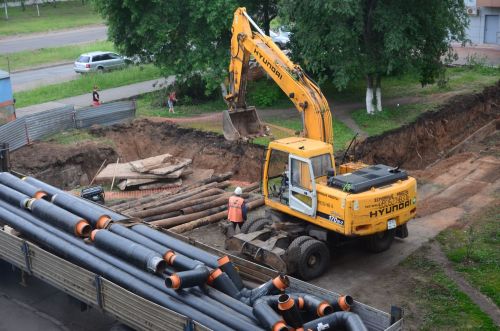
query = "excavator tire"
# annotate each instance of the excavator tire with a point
(297, 242)
(314, 259)
(380, 242)
(255, 225)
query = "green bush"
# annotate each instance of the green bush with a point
(263, 93)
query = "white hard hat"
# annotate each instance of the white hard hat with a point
(238, 191)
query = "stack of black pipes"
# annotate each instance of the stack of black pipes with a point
(161, 268)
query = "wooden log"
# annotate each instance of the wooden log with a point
(215, 178)
(213, 218)
(162, 216)
(176, 198)
(207, 205)
(161, 184)
(251, 187)
(170, 222)
(170, 207)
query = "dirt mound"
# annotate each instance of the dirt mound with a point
(143, 138)
(65, 166)
(416, 145)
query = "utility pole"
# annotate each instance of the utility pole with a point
(37, 9)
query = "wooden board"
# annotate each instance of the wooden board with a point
(181, 163)
(151, 163)
(123, 171)
(124, 184)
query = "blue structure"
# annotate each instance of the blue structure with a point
(7, 110)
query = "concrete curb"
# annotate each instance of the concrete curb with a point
(42, 67)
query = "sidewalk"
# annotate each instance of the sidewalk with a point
(109, 95)
(488, 53)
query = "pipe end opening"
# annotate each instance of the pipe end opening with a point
(83, 229)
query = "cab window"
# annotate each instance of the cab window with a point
(321, 164)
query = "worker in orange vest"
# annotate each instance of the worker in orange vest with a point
(237, 209)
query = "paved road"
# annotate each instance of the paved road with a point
(26, 80)
(52, 39)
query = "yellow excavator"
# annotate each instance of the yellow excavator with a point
(312, 205)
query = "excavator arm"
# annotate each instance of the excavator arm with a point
(242, 121)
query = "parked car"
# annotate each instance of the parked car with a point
(281, 38)
(98, 61)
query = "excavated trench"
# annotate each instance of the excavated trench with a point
(413, 146)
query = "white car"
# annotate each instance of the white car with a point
(98, 61)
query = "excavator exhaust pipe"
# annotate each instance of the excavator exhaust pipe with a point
(243, 123)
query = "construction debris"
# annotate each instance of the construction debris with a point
(161, 171)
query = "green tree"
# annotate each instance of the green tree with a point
(344, 40)
(188, 37)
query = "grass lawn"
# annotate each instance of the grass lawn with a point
(45, 56)
(443, 305)
(389, 118)
(84, 84)
(474, 249)
(74, 136)
(70, 14)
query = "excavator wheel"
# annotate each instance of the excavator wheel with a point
(313, 260)
(380, 242)
(255, 225)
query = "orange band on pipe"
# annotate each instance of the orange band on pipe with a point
(280, 282)
(39, 195)
(92, 235)
(300, 302)
(321, 308)
(213, 275)
(103, 222)
(223, 260)
(288, 304)
(82, 229)
(279, 326)
(343, 303)
(169, 257)
(176, 281)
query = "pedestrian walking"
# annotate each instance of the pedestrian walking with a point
(171, 99)
(96, 101)
(237, 209)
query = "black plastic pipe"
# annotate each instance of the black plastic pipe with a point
(289, 310)
(138, 238)
(264, 311)
(188, 278)
(340, 320)
(228, 267)
(60, 218)
(128, 250)
(178, 245)
(203, 304)
(221, 281)
(274, 286)
(181, 262)
(8, 179)
(107, 270)
(13, 197)
(315, 305)
(74, 204)
(343, 303)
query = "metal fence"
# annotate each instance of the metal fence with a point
(26, 129)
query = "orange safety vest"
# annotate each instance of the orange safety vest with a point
(234, 211)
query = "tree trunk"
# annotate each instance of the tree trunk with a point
(379, 93)
(369, 94)
(6, 11)
(267, 20)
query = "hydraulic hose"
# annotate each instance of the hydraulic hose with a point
(8, 179)
(107, 270)
(339, 320)
(178, 245)
(189, 278)
(128, 250)
(289, 311)
(203, 304)
(343, 303)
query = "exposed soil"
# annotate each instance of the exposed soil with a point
(418, 144)
(68, 166)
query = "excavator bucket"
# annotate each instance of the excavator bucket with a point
(242, 123)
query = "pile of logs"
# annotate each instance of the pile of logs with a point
(189, 207)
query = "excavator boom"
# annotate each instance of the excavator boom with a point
(242, 121)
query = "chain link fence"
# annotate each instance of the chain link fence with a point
(24, 130)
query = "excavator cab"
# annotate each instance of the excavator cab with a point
(243, 123)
